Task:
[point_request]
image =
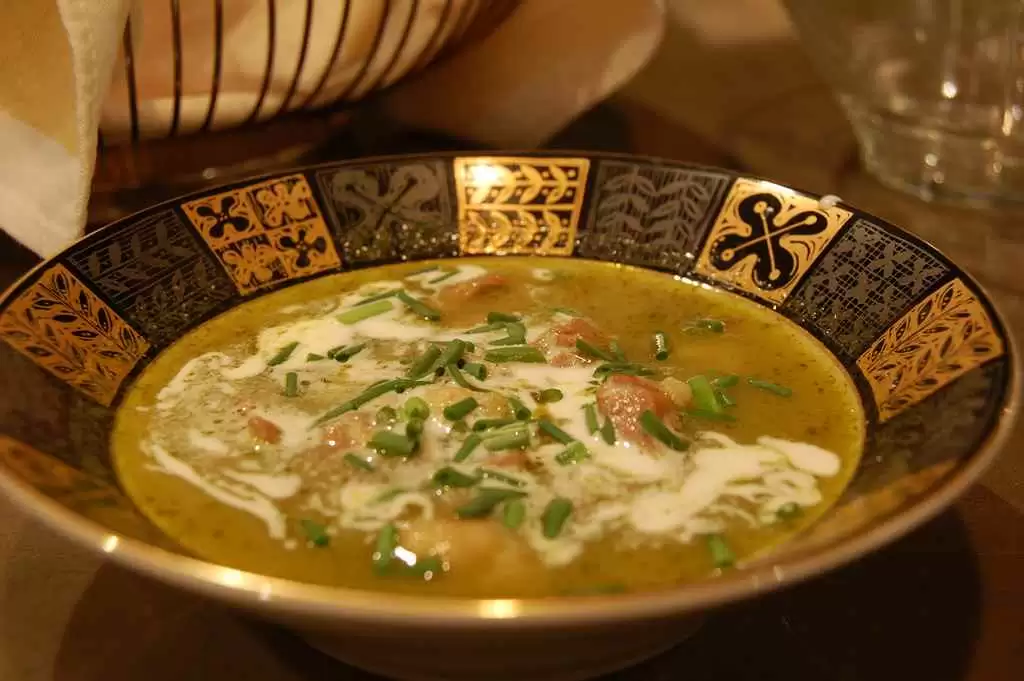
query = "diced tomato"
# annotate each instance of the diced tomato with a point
(458, 294)
(623, 399)
(262, 429)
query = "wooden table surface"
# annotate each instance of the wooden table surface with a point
(946, 602)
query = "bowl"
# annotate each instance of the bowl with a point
(931, 359)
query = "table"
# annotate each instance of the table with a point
(946, 602)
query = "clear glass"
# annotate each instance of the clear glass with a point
(934, 90)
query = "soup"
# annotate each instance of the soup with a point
(490, 428)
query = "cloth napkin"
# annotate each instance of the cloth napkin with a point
(62, 65)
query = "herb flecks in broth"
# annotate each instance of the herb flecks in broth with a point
(482, 424)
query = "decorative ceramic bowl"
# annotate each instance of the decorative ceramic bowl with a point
(931, 359)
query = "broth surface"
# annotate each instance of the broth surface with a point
(236, 442)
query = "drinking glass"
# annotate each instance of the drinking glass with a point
(934, 90)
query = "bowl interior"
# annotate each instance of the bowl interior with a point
(931, 361)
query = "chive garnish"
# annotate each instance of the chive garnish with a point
(556, 513)
(344, 354)
(313, 357)
(452, 353)
(513, 513)
(724, 399)
(416, 408)
(447, 275)
(721, 555)
(414, 427)
(555, 432)
(591, 351)
(386, 414)
(487, 424)
(661, 347)
(501, 317)
(713, 325)
(486, 328)
(768, 386)
(590, 416)
(424, 270)
(549, 395)
(603, 371)
(476, 370)
(704, 398)
(574, 453)
(512, 439)
(608, 432)
(451, 477)
(282, 355)
(710, 415)
(468, 445)
(519, 410)
(315, 532)
(459, 410)
(516, 335)
(616, 351)
(389, 443)
(377, 296)
(515, 353)
(291, 384)
(365, 311)
(727, 381)
(500, 477)
(789, 511)
(567, 311)
(418, 307)
(484, 502)
(358, 462)
(371, 393)
(654, 427)
(422, 366)
(387, 542)
(460, 379)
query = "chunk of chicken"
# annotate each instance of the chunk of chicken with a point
(492, 405)
(353, 429)
(565, 336)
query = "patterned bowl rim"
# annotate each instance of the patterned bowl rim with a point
(288, 598)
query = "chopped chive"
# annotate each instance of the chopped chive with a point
(315, 532)
(458, 410)
(519, 410)
(574, 453)
(468, 445)
(343, 354)
(513, 513)
(555, 432)
(616, 351)
(608, 432)
(721, 555)
(789, 511)
(282, 355)
(487, 328)
(500, 477)
(484, 502)
(727, 381)
(414, 427)
(461, 381)
(724, 399)
(603, 371)
(661, 347)
(512, 439)
(704, 398)
(377, 296)
(549, 395)
(476, 370)
(422, 366)
(386, 415)
(291, 384)
(591, 351)
(371, 393)
(710, 415)
(389, 443)
(365, 311)
(451, 477)
(567, 311)
(515, 353)
(590, 416)
(712, 325)
(654, 426)
(498, 317)
(387, 542)
(358, 462)
(452, 353)
(516, 335)
(313, 357)
(774, 388)
(447, 275)
(555, 514)
(418, 307)
(487, 424)
(416, 408)
(424, 270)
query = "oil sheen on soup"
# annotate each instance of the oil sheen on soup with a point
(492, 427)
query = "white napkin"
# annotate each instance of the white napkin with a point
(545, 64)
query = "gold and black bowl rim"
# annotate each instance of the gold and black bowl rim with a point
(311, 603)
